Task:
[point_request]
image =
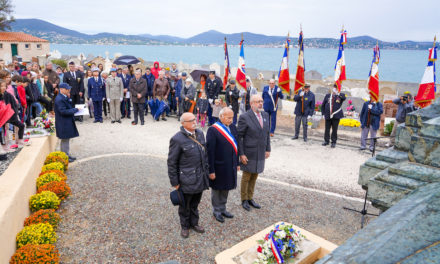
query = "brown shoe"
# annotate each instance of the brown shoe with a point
(198, 229)
(271, 134)
(184, 233)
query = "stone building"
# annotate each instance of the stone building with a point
(21, 44)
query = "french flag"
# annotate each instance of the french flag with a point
(241, 72)
(427, 88)
(300, 69)
(373, 79)
(276, 252)
(340, 62)
(283, 75)
(227, 69)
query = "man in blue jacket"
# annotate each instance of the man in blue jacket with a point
(271, 95)
(332, 111)
(370, 121)
(305, 107)
(125, 104)
(97, 94)
(64, 119)
(149, 77)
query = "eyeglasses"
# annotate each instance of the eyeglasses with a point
(192, 120)
(259, 101)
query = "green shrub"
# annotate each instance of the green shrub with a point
(60, 62)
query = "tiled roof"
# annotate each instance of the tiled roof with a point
(19, 37)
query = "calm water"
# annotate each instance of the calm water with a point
(395, 65)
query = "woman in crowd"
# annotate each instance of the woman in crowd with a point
(201, 85)
(87, 76)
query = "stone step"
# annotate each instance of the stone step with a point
(415, 171)
(392, 155)
(416, 118)
(431, 128)
(369, 169)
(383, 194)
(425, 150)
(398, 180)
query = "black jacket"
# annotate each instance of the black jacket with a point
(202, 104)
(305, 105)
(232, 99)
(188, 162)
(76, 83)
(337, 101)
(8, 98)
(213, 88)
(32, 93)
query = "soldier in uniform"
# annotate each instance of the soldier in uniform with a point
(213, 87)
(96, 90)
(305, 107)
(332, 110)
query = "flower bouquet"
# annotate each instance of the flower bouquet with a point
(318, 106)
(350, 109)
(45, 122)
(280, 244)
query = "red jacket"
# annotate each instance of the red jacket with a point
(22, 95)
(155, 70)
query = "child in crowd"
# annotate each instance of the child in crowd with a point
(216, 107)
(202, 109)
(21, 93)
(7, 98)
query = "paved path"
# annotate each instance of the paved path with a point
(120, 211)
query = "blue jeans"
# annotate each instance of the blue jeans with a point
(97, 110)
(38, 107)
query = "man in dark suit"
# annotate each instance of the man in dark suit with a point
(138, 90)
(125, 104)
(75, 79)
(64, 119)
(213, 87)
(96, 90)
(221, 141)
(332, 110)
(188, 171)
(253, 148)
(305, 107)
(271, 95)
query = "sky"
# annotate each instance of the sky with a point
(383, 19)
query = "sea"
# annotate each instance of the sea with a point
(395, 65)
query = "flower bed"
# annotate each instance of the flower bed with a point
(35, 241)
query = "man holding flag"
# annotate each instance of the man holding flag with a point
(426, 94)
(372, 109)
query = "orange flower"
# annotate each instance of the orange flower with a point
(32, 254)
(43, 216)
(61, 189)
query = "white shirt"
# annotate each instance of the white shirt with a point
(192, 134)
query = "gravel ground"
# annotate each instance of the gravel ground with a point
(120, 212)
(308, 164)
(4, 164)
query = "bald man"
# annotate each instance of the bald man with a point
(188, 171)
(221, 141)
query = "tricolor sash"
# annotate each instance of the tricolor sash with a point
(276, 252)
(225, 132)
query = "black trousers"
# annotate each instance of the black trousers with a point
(333, 124)
(47, 103)
(189, 214)
(105, 105)
(16, 122)
(138, 109)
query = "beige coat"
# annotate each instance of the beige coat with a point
(114, 89)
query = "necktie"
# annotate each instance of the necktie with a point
(73, 74)
(260, 119)
(96, 79)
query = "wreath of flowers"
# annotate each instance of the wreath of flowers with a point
(280, 243)
(45, 122)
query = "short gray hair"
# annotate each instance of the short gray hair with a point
(138, 71)
(223, 110)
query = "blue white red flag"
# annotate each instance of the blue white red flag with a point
(283, 75)
(300, 69)
(373, 77)
(227, 68)
(426, 94)
(340, 62)
(241, 70)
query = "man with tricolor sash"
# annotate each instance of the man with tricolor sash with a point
(271, 94)
(332, 111)
(221, 142)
